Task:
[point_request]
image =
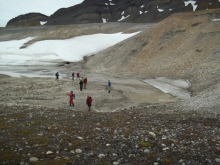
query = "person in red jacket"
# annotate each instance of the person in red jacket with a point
(71, 98)
(78, 75)
(89, 102)
(85, 82)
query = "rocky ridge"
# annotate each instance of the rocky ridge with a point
(30, 19)
(139, 11)
(102, 11)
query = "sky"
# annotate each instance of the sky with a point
(13, 8)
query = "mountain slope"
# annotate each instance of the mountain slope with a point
(182, 46)
(97, 11)
(102, 11)
(136, 11)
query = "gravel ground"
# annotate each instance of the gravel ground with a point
(139, 135)
(179, 132)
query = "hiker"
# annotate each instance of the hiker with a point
(109, 86)
(81, 84)
(85, 82)
(78, 75)
(71, 95)
(82, 79)
(73, 75)
(57, 76)
(89, 101)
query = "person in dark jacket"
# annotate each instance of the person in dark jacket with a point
(109, 86)
(81, 84)
(71, 98)
(73, 74)
(78, 75)
(89, 102)
(57, 76)
(85, 82)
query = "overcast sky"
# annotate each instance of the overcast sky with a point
(13, 8)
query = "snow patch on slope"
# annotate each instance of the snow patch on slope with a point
(192, 3)
(44, 52)
(175, 87)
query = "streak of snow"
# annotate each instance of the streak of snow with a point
(160, 10)
(104, 20)
(43, 22)
(193, 4)
(175, 87)
(123, 17)
(216, 19)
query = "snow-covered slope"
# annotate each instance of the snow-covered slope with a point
(43, 52)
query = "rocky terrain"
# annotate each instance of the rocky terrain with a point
(39, 127)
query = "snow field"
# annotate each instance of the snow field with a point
(71, 50)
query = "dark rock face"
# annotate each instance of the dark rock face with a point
(98, 11)
(207, 4)
(215, 4)
(30, 19)
(137, 11)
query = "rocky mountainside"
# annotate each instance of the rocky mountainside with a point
(136, 11)
(30, 19)
(101, 11)
(181, 46)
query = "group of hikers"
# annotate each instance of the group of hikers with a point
(88, 100)
(81, 83)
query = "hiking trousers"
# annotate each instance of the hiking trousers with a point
(71, 101)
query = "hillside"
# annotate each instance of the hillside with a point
(133, 124)
(138, 11)
(182, 46)
(102, 11)
(67, 31)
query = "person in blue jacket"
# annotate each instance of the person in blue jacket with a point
(109, 86)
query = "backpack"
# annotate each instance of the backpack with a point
(74, 96)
